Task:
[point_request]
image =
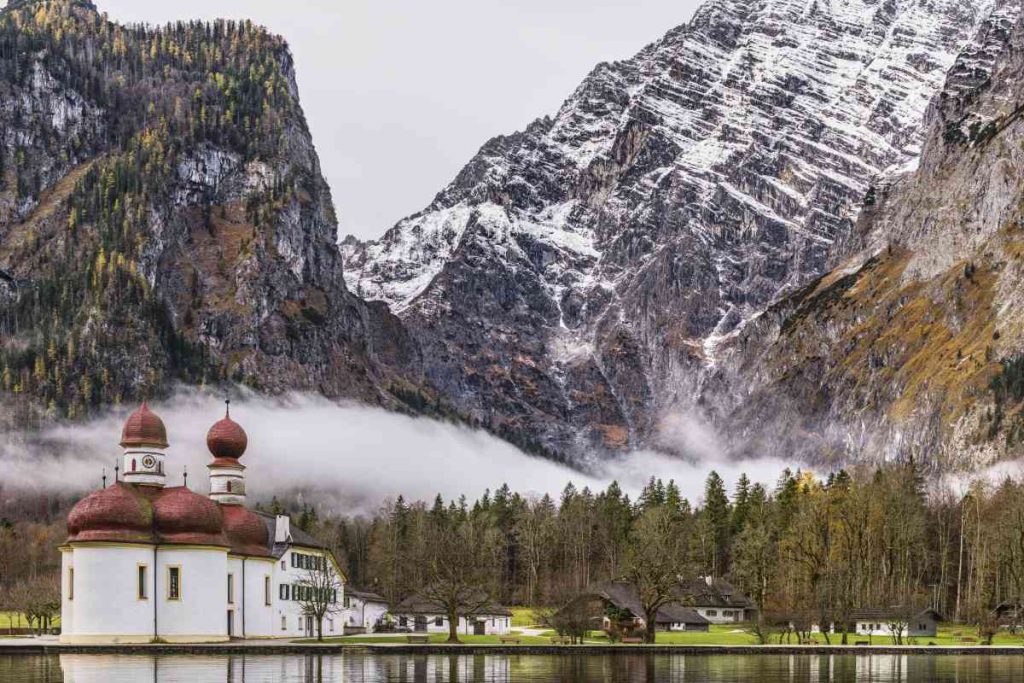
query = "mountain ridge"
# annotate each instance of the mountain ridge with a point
(163, 218)
(576, 279)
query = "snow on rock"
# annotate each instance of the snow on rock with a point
(673, 196)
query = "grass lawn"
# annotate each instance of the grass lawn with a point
(435, 638)
(719, 634)
(9, 619)
(522, 617)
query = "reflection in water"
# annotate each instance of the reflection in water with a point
(617, 668)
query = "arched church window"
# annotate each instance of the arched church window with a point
(229, 486)
(133, 464)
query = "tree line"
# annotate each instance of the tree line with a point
(808, 549)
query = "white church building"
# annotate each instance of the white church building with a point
(145, 562)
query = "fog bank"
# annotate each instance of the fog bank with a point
(349, 457)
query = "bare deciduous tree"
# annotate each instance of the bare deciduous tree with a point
(319, 591)
(459, 559)
(655, 560)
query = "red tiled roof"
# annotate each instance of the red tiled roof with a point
(185, 517)
(127, 513)
(118, 513)
(227, 439)
(245, 531)
(144, 428)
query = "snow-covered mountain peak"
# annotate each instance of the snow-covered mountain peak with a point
(672, 197)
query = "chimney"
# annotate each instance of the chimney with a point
(282, 529)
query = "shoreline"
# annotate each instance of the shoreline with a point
(264, 649)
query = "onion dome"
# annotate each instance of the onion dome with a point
(227, 439)
(245, 530)
(185, 517)
(119, 513)
(144, 428)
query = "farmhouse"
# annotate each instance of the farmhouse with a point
(1009, 614)
(896, 622)
(144, 561)
(717, 600)
(623, 597)
(424, 616)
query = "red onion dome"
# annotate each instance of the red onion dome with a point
(119, 513)
(144, 428)
(227, 439)
(245, 530)
(185, 517)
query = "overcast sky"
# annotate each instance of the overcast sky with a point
(401, 93)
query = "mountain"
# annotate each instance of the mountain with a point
(163, 218)
(912, 347)
(577, 283)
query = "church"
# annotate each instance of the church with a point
(146, 562)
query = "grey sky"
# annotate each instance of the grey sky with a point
(401, 93)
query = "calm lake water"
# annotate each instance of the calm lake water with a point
(618, 668)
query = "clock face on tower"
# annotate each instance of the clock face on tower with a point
(149, 462)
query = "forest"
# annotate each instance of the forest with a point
(80, 323)
(810, 548)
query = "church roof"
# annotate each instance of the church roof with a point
(246, 531)
(144, 428)
(128, 513)
(226, 439)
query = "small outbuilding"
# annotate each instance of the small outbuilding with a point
(365, 611)
(895, 622)
(424, 616)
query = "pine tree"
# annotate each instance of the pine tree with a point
(716, 510)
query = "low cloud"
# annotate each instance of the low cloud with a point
(347, 456)
(960, 483)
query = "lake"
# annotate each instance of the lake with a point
(610, 668)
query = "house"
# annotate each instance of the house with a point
(896, 621)
(623, 596)
(147, 562)
(717, 600)
(364, 610)
(297, 553)
(1009, 614)
(425, 616)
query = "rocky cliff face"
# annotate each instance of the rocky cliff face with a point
(911, 349)
(574, 285)
(163, 217)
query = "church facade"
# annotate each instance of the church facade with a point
(146, 562)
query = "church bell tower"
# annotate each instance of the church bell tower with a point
(144, 440)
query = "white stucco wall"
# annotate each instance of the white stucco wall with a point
(720, 615)
(67, 612)
(106, 604)
(201, 612)
(364, 614)
(259, 617)
(106, 607)
(296, 625)
(876, 627)
(495, 625)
